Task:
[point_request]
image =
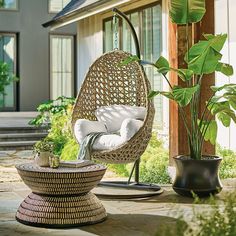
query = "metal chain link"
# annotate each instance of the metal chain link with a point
(115, 32)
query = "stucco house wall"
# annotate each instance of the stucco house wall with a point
(33, 49)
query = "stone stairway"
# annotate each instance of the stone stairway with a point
(16, 133)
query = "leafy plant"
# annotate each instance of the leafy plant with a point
(50, 108)
(45, 145)
(153, 165)
(218, 220)
(6, 78)
(202, 58)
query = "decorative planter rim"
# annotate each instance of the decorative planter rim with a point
(190, 159)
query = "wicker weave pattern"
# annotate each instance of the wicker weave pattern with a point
(62, 180)
(60, 196)
(61, 211)
(107, 83)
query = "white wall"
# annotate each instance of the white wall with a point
(225, 18)
(89, 44)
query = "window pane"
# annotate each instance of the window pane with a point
(147, 24)
(7, 54)
(61, 66)
(108, 44)
(57, 5)
(8, 4)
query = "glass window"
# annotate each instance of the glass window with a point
(147, 24)
(7, 54)
(57, 5)
(62, 66)
(9, 4)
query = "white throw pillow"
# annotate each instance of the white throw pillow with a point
(129, 128)
(107, 141)
(84, 127)
(114, 115)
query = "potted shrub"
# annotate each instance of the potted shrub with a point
(196, 172)
(43, 150)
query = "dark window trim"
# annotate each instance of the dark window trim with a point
(74, 57)
(16, 70)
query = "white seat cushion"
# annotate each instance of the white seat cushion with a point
(114, 115)
(107, 142)
(84, 127)
(129, 128)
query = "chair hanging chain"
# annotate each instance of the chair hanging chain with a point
(115, 32)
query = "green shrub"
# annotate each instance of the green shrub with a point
(51, 108)
(217, 220)
(153, 166)
(154, 163)
(70, 150)
(60, 132)
(228, 164)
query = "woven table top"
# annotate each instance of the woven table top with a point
(32, 167)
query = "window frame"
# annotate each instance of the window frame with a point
(15, 68)
(11, 9)
(73, 60)
(52, 11)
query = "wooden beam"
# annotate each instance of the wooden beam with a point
(177, 40)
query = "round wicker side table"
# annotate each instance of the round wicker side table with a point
(60, 197)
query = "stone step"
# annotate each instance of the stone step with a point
(17, 145)
(23, 129)
(22, 136)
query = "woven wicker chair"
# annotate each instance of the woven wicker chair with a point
(107, 83)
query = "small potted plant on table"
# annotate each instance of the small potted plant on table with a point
(43, 150)
(196, 172)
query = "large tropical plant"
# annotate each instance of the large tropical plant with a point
(201, 59)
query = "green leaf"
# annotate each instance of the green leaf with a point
(152, 94)
(224, 68)
(128, 60)
(165, 94)
(211, 132)
(162, 65)
(184, 95)
(228, 87)
(218, 107)
(187, 11)
(203, 57)
(225, 116)
(162, 62)
(185, 74)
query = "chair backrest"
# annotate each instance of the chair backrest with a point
(108, 83)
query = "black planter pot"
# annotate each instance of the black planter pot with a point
(198, 176)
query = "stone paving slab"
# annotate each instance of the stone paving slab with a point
(139, 217)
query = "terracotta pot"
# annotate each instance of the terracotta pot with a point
(198, 176)
(42, 159)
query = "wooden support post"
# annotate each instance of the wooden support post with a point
(177, 40)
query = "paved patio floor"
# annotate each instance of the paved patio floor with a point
(126, 217)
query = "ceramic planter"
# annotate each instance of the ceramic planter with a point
(42, 159)
(198, 176)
